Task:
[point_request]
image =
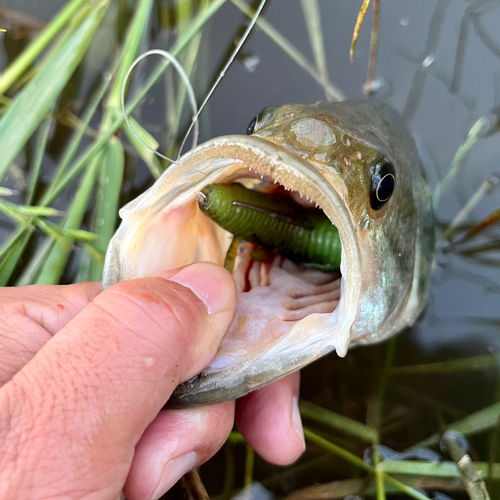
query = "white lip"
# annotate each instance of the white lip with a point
(216, 159)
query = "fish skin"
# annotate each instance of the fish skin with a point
(324, 151)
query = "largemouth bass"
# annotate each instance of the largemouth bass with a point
(357, 162)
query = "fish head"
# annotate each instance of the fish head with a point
(359, 147)
(358, 163)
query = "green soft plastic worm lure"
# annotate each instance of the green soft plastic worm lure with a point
(276, 222)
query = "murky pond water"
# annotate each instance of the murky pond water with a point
(440, 64)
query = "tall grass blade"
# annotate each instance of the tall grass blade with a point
(30, 106)
(36, 165)
(130, 48)
(148, 156)
(107, 198)
(456, 165)
(442, 470)
(332, 92)
(32, 269)
(78, 135)
(475, 423)
(338, 422)
(357, 27)
(476, 363)
(11, 253)
(189, 62)
(249, 466)
(312, 16)
(23, 62)
(57, 259)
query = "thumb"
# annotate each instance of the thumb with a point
(76, 411)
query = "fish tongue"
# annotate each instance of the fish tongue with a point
(272, 297)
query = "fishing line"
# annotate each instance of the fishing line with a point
(223, 72)
(185, 79)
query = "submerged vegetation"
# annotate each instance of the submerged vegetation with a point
(375, 425)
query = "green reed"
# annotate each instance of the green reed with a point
(92, 167)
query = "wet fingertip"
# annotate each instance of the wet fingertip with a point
(212, 284)
(173, 471)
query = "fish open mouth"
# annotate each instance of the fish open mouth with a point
(274, 293)
(287, 315)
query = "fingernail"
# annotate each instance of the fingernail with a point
(211, 283)
(173, 471)
(297, 421)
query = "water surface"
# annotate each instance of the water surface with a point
(439, 60)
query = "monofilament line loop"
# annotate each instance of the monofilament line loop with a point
(196, 115)
(184, 77)
(192, 99)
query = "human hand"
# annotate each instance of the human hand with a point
(84, 375)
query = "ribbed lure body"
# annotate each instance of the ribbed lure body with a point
(276, 222)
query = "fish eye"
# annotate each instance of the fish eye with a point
(260, 120)
(383, 182)
(251, 126)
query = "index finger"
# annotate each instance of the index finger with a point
(50, 306)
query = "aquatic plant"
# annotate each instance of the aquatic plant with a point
(60, 221)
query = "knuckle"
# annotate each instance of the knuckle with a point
(156, 304)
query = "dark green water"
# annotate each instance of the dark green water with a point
(440, 60)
